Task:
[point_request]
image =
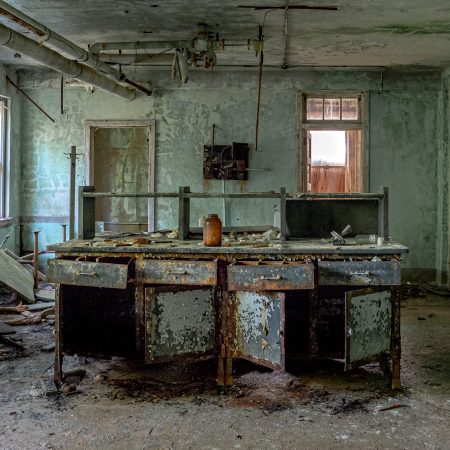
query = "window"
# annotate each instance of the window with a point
(332, 144)
(3, 157)
(328, 148)
(333, 108)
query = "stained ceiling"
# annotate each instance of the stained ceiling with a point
(360, 33)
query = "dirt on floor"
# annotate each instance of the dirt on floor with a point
(118, 405)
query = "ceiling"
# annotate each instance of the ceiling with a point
(361, 33)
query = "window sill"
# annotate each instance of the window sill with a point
(6, 222)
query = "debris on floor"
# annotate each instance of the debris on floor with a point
(17, 277)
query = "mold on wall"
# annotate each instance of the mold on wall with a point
(404, 144)
(403, 154)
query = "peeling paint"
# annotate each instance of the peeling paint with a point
(179, 323)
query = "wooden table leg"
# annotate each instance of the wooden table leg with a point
(396, 339)
(313, 306)
(58, 373)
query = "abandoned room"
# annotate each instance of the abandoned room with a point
(224, 224)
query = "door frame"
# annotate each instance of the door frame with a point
(91, 125)
(330, 125)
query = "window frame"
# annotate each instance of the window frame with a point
(333, 125)
(4, 158)
(333, 95)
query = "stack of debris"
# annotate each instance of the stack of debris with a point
(17, 287)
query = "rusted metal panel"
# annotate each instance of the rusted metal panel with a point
(270, 277)
(260, 328)
(367, 326)
(194, 273)
(179, 322)
(359, 273)
(82, 273)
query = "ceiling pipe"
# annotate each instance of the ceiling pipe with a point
(58, 42)
(155, 58)
(145, 45)
(19, 43)
(160, 45)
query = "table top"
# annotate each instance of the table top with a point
(133, 245)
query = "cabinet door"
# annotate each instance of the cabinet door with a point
(367, 326)
(178, 322)
(260, 328)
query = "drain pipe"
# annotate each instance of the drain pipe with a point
(19, 43)
(59, 43)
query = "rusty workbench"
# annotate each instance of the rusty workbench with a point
(163, 301)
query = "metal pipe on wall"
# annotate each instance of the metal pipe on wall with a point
(58, 42)
(145, 45)
(155, 58)
(161, 45)
(15, 41)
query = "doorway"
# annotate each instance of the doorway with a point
(334, 159)
(334, 153)
(121, 160)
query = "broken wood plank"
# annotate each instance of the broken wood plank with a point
(27, 264)
(6, 329)
(45, 295)
(33, 320)
(19, 309)
(40, 306)
(15, 276)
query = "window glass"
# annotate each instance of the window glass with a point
(314, 109)
(350, 109)
(332, 109)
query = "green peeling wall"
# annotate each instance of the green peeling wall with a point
(406, 137)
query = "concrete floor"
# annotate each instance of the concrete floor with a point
(321, 408)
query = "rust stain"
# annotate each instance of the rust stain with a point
(242, 186)
(206, 185)
(22, 23)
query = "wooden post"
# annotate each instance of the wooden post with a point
(36, 259)
(86, 213)
(383, 215)
(184, 213)
(283, 214)
(64, 232)
(73, 164)
(57, 374)
(395, 337)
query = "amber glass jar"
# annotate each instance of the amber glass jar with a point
(212, 231)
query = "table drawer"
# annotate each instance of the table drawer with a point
(359, 273)
(270, 277)
(83, 273)
(194, 273)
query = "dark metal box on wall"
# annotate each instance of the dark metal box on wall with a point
(225, 162)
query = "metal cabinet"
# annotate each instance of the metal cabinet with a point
(359, 273)
(178, 323)
(260, 328)
(368, 326)
(270, 276)
(176, 272)
(84, 273)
